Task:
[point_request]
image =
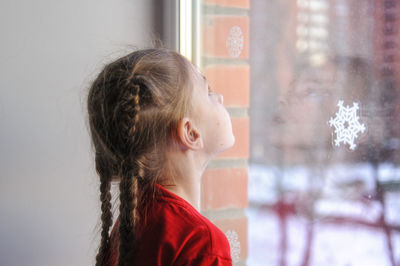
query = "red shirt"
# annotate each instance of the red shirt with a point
(176, 234)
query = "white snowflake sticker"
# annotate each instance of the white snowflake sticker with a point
(235, 41)
(347, 125)
(234, 243)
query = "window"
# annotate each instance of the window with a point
(317, 85)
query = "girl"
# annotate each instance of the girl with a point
(155, 125)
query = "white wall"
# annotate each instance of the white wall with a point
(50, 50)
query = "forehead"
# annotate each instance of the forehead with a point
(198, 78)
(198, 99)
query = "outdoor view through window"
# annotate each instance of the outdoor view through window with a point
(324, 109)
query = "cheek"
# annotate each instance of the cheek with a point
(224, 123)
(228, 118)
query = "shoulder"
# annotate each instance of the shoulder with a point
(206, 245)
(177, 234)
(200, 240)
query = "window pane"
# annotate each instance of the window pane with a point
(324, 184)
(323, 78)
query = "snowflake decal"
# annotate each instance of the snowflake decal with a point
(234, 243)
(235, 40)
(346, 124)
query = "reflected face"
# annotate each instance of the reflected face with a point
(212, 119)
(304, 109)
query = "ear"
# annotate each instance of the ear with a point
(189, 137)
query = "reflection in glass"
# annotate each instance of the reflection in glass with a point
(311, 202)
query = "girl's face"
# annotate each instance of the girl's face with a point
(211, 118)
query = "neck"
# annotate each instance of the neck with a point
(189, 192)
(185, 176)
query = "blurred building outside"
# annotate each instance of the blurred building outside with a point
(311, 202)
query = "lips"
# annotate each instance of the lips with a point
(278, 119)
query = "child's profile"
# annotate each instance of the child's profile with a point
(155, 124)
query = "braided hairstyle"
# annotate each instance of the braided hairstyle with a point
(134, 107)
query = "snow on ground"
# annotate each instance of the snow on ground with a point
(263, 238)
(392, 201)
(345, 191)
(333, 245)
(349, 245)
(357, 210)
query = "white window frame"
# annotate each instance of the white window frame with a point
(189, 30)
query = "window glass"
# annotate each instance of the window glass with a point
(324, 183)
(324, 108)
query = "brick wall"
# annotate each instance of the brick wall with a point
(225, 62)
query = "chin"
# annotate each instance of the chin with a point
(228, 144)
(233, 140)
(224, 144)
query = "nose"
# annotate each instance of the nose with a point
(220, 98)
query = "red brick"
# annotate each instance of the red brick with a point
(240, 127)
(216, 30)
(240, 226)
(230, 3)
(231, 81)
(224, 188)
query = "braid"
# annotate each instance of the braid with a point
(134, 190)
(129, 183)
(129, 218)
(106, 216)
(126, 226)
(130, 108)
